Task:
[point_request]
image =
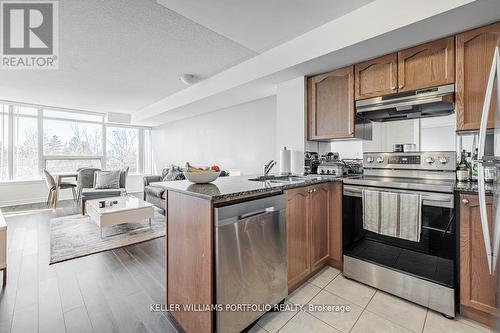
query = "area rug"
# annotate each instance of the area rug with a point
(77, 236)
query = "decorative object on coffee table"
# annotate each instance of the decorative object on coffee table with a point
(127, 209)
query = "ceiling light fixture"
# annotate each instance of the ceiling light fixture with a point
(188, 79)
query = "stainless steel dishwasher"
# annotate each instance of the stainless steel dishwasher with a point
(251, 265)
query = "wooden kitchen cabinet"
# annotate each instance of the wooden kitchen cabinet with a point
(320, 225)
(297, 234)
(330, 105)
(376, 77)
(428, 65)
(313, 225)
(474, 55)
(479, 294)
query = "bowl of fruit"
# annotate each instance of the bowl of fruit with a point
(201, 175)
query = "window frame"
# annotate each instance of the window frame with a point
(140, 145)
(43, 158)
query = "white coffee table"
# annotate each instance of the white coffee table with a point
(128, 209)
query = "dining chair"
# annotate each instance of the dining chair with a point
(51, 184)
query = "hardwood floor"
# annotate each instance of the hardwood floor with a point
(106, 292)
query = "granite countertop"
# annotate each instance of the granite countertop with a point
(226, 189)
(472, 188)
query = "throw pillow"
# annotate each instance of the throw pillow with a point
(107, 179)
(174, 173)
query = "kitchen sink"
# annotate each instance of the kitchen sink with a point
(282, 179)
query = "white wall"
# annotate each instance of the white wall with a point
(24, 192)
(388, 133)
(348, 148)
(240, 137)
(290, 115)
(438, 134)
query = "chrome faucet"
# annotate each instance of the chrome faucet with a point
(268, 167)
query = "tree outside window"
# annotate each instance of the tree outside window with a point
(25, 147)
(122, 148)
(4, 143)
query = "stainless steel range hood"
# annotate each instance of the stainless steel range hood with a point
(431, 102)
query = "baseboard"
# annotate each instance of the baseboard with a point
(336, 264)
(476, 315)
(28, 201)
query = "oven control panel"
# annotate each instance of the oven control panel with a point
(410, 159)
(435, 160)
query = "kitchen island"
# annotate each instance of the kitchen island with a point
(190, 248)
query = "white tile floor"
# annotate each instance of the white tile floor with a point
(371, 311)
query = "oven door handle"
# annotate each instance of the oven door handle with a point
(428, 199)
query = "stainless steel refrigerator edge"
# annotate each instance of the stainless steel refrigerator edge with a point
(492, 245)
(251, 260)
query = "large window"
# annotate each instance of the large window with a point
(34, 138)
(72, 140)
(4, 142)
(25, 143)
(62, 137)
(122, 147)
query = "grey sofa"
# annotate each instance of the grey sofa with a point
(155, 194)
(86, 190)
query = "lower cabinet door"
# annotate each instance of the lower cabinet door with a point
(479, 294)
(297, 231)
(320, 225)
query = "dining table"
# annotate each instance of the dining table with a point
(59, 177)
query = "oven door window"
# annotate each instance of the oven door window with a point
(432, 258)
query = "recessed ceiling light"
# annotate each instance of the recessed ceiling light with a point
(187, 79)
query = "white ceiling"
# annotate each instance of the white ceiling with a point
(121, 55)
(262, 24)
(127, 55)
(380, 27)
(124, 55)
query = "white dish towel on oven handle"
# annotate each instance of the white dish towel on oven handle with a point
(393, 214)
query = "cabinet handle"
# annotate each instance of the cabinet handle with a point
(465, 201)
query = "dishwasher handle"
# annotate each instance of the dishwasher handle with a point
(256, 213)
(240, 211)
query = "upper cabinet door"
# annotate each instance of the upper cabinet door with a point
(330, 105)
(376, 77)
(427, 65)
(475, 50)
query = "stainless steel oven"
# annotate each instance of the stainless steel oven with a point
(422, 271)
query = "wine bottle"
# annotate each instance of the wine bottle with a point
(462, 168)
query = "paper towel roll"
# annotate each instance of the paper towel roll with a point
(297, 165)
(285, 161)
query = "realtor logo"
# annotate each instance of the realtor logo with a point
(29, 34)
